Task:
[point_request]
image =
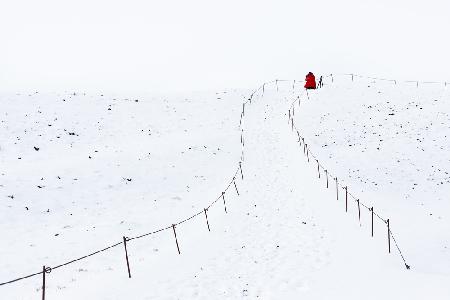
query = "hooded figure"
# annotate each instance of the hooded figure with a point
(310, 81)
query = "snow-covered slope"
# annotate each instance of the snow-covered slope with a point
(389, 142)
(284, 237)
(104, 167)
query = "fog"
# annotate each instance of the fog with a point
(163, 46)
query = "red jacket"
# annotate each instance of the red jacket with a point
(310, 81)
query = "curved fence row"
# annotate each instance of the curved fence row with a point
(324, 172)
(238, 173)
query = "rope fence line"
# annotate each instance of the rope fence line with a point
(260, 89)
(203, 211)
(395, 81)
(308, 153)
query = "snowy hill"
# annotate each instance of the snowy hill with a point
(81, 171)
(389, 142)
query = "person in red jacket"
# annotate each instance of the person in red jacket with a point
(310, 81)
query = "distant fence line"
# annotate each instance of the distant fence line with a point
(327, 174)
(395, 81)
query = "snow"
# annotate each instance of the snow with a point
(397, 135)
(283, 237)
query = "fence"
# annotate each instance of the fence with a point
(172, 227)
(232, 183)
(395, 81)
(311, 156)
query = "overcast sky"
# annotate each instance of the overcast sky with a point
(124, 46)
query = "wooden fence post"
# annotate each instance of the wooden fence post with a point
(176, 240)
(326, 174)
(43, 282)
(318, 167)
(389, 236)
(126, 256)
(240, 168)
(224, 205)
(337, 188)
(206, 216)
(234, 181)
(359, 212)
(372, 220)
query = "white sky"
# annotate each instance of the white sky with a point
(125, 46)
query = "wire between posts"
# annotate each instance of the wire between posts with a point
(86, 256)
(152, 232)
(261, 88)
(21, 278)
(395, 81)
(399, 251)
(301, 139)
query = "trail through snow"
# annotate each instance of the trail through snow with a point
(284, 237)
